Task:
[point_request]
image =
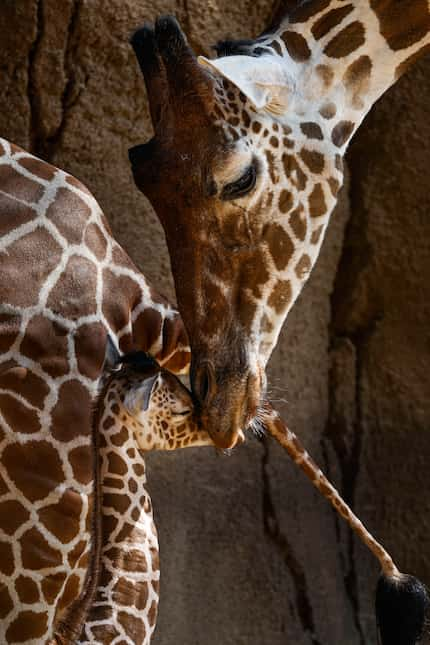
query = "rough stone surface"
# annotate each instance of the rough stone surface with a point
(250, 553)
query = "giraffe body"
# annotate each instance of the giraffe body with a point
(142, 408)
(65, 284)
(255, 140)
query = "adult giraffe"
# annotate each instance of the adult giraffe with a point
(245, 167)
(65, 283)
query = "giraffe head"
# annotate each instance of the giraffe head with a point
(152, 402)
(241, 176)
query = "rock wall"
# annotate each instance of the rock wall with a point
(250, 553)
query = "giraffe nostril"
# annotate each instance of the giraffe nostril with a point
(204, 384)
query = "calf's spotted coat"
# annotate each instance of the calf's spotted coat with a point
(142, 408)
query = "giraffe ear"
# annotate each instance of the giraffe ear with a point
(138, 398)
(263, 79)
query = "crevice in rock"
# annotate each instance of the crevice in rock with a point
(35, 134)
(42, 145)
(72, 91)
(273, 530)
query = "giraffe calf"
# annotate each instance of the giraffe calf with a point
(142, 407)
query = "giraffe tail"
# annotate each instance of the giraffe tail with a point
(401, 600)
(401, 605)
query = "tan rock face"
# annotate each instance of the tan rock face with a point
(250, 553)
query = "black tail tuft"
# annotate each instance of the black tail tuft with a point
(401, 605)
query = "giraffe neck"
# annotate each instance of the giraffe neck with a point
(126, 600)
(340, 57)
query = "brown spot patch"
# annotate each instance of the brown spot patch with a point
(274, 141)
(36, 553)
(77, 184)
(116, 501)
(317, 205)
(338, 162)
(51, 585)
(325, 24)
(70, 593)
(120, 293)
(326, 74)
(341, 133)
(45, 342)
(266, 325)
(18, 416)
(357, 80)
(403, 23)
(133, 627)
(12, 516)
(334, 186)
(74, 294)
(9, 330)
(120, 437)
(110, 482)
(38, 167)
(254, 273)
(6, 559)
(81, 462)
(95, 241)
(276, 46)
(316, 235)
(152, 613)
(139, 469)
(32, 388)
(281, 296)
(28, 625)
(411, 60)
(71, 416)
(62, 519)
(15, 184)
(303, 266)
(285, 201)
(25, 265)
(328, 110)
(13, 214)
(293, 171)
(298, 222)
(22, 462)
(256, 127)
(77, 551)
(308, 9)
(346, 41)
(313, 159)
(90, 345)
(280, 245)
(125, 533)
(311, 130)
(296, 46)
(273, 172)
(6, 602)
(69, 213)
(247, 309)
(26, 589)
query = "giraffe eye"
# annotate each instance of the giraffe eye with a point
(242, 186)
(181, 413)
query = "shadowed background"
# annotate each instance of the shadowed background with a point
(250, 553)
